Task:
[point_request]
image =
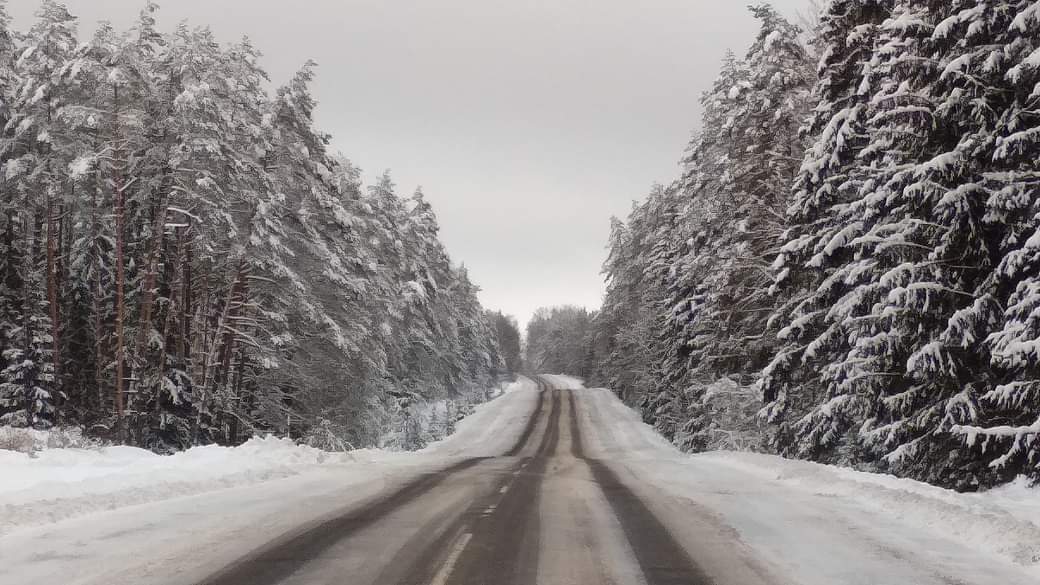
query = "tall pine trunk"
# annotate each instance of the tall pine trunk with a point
(151, 278)
(28, 331)
(220, 348)
(119, 193)
(52, 287)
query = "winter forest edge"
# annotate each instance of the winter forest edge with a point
(848, 268)
(183, 261)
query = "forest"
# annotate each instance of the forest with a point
(847, 268)
(184, 260)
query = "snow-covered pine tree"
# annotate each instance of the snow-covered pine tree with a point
(697, 245)
(10, 285)
(428, 304)
(87, 257)
(177, 240)
(1004, 55)
(557, 340)
(157, 382)
(114, 172)
(737, 177)
(35, 159)
(904, 255)
(507, 334)
(811, 335)
(917, 359)
(405, 335)
(480, 356)
(640, 272)
(267, 290)
(630, 319)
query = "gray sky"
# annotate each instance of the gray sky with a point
(528, 123)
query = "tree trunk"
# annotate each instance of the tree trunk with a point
(150, 278)
(52, 288)
(28, 282)
(184, 256)
(222, 345)
(119, 188)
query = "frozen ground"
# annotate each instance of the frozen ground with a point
(124, 516)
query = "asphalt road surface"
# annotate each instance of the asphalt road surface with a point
(542, 513)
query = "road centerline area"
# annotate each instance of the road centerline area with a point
(505, 536)
(441, 578)
(480, 521)
(280, 559)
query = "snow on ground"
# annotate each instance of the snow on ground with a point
(437, 419)
(74, 516)
(1005, 521)
(563, 381)
(825, 524)
(56, 484)
(32, 440)
(494, 426)
(62, 483)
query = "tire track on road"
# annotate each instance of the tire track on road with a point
(282, 557)
(661, 558)
(496, 541)
(525, 436)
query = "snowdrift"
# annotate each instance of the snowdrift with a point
(55, 484)
(1003, 522)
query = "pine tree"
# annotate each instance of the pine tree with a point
(35, 158)
(737, 175)
(1004, 56)
(816, 244)
(507, 335)
(184, 262)
(10, 285)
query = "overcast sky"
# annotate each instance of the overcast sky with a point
(528, 123)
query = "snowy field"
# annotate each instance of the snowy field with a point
(122, 515)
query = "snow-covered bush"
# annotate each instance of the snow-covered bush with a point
(422, 423)
(328, 436)
(28, 440)
(726, 418)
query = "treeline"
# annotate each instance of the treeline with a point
(848, 269)
(183, 261)
(510, 346)
(558, 341)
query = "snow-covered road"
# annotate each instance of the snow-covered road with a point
(549, 484)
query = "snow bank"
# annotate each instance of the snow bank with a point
(493, 427)
(612, 429)
(62, 483)
(56, 484)
(434, 421)
(1004, 521)
(756, 493)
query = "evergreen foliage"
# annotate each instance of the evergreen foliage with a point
(185, 262)
(558, 341)
(874, 274)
